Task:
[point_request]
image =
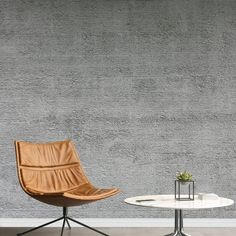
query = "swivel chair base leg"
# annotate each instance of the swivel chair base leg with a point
(66, 220)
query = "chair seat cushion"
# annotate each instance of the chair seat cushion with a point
(89, 192)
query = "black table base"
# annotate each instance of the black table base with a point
(179, 227)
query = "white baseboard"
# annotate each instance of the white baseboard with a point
(121, 222)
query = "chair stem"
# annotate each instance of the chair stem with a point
(65, 211)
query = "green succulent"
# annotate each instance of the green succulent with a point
(184, 176)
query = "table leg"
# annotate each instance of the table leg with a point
(179, 227)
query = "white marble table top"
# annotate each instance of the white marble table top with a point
(168, 201)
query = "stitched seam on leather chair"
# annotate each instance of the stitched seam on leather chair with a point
(64, 166)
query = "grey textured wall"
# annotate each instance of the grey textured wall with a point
(144, 88)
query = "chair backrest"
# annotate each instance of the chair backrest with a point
(49, 168)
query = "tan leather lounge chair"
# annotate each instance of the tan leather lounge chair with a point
(52, 173)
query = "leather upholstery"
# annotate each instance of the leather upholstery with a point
(53, 171)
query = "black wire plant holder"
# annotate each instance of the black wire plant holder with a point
(189, 185)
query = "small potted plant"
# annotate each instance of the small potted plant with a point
(184, 178)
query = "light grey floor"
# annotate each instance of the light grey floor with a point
(121, 232)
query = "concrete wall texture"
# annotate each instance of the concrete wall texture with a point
(144, 88)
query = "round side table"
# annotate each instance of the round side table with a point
(168, 201)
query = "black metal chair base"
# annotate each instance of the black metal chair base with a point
(66, 220)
